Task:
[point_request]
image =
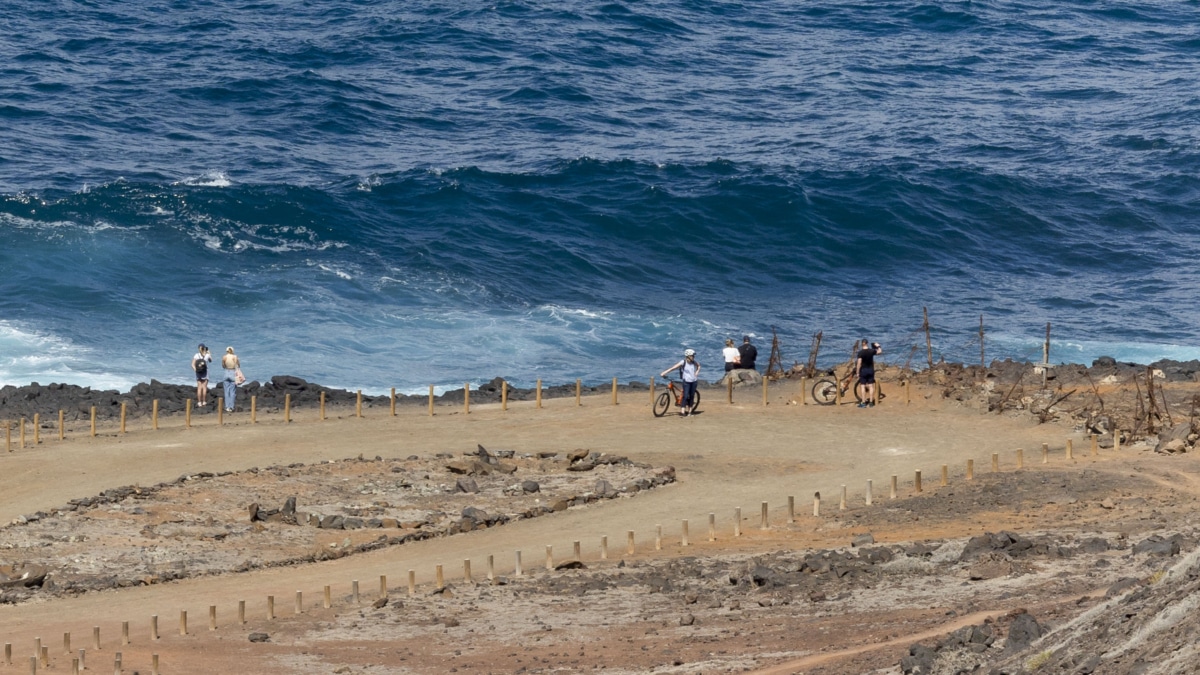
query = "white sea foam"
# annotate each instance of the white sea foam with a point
(339, 273)
(208, 179)
(34, 356)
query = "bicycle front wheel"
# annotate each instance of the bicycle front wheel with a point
(824, 392)
(663, 404)
(696, 400)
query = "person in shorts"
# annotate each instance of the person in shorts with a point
(200, 365)
(864, 367)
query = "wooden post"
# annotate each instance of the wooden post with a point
(124, 411)
(651, 391)
(221, 411)
(578, 392)
(549, 558)
(466, 398)
(183, 622)
(728, 388)
(287, 408)
(22, 423)
(995, 462)
(383, 585)
(791, 509)
(614, 391)
(764, 521)
(154, 627)
(62, 429)
(764, 390)
(431, 400)
(816, 504)
(212, 617)
(8, 436)
(187, 414)
(124, 632)
(491, 573)
(504, 394)
(412, 582)
(538, 393)
(242, 612)
(982, 357)
(604, 547)
(658, 537)
(358, 403)
(154, 414)
(392, 396)
(8, 653)
(683, 535)
(1070, 450)
(895, 482)
(517, 568)
(322, 415)
(630, 548)
(908, 391)
(737, 522)
(917, 481)
(712, 527)
(270, 607)
(842, 502)
(1045, 453)
(577, 550)
(1095, 443)
(93, 421)
(117, 663)
(67, 643)
(327, 599)
(1020, 458)
(96, 638)
(803, 390)
(928, 340)
(354, 591)
(154, 664)
(467, 578)
(945, 475)
(299, 603)
(37, 431)
(870, 491)
(970, 469)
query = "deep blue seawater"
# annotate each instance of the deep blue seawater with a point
(374, 193)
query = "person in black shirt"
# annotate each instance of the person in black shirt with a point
(748, 354)
(864, 367)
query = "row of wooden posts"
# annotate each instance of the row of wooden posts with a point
(287, 409)
(41, 652)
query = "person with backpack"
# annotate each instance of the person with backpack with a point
(689, 371)
(200, 365)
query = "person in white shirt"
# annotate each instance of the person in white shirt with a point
(733, 357)
(689, 371)
(200, 365)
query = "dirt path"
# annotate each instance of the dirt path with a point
(727, 457)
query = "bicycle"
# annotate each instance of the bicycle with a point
(663, 403)
(825, 390)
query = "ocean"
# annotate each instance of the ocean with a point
(375, 194)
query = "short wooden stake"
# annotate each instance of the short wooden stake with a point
(183, 622)
(764, 522)
(37, 430)
(358, 403)
(383, 586)
(1020, 458)
(93, 421)
(322, 404)
(907, 392)
(220, 411)
(154, 664)
(995, 462)
(578, 392)
(45, 656)
(1070, 450)
(75, 665)
(803, 389)
(241, 612)
(62, 429)
(154, 414)
(816, 504)
(549, 558)
(33, 665)
(894, 485)
(491, 573)
(683, 534)
(658, 537)
(870, 491)
(327, 599)
(124, 410)
(439, 577)
(37, 647)
(154, 627)
(503, 394)
(791, 509)
(1045, 453)
(538, 394)
(1095, 443)
(8, 436)
(187, 414)
(287, 407)
(8, 653)
(945, 475)
(630, 548)
(842, 503)
(66, 643)
(392, 399)
(431, 400)
(299, 603)
(614, 391)
(22, 426)
(412, 580)
(96, 638)
(254, 410)
(124, 632)
(651, 391)
(466, 398)
(737, 522)
(270, 607)
(212, 617)
(764, 391)
(604, 547)
(728, 388)
(576, 550)
(917, 481)
(970, 469)
(517, 567)
(117, 663)
(712, 527)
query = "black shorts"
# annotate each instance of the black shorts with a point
(730, 365)
(866, 377)
(201, 376)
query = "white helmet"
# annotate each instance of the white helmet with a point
(689, 352)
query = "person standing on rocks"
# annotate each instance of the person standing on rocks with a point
(748, 354)
(233, 377)
(732, 356)
(689, 371)
(864, 368)
(200, 365)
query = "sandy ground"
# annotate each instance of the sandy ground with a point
(728, 457)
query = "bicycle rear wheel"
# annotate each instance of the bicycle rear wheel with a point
(824, 392)
(696, 400)
(663, 404)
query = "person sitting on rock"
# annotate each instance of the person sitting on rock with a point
(748, 354)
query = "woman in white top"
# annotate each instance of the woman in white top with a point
(689, 371)
(200, 364)
(732, 356)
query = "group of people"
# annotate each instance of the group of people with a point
(233, 375)
(747, 354)
(689, 369)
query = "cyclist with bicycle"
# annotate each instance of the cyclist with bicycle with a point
(864, 367)
(689, 372)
